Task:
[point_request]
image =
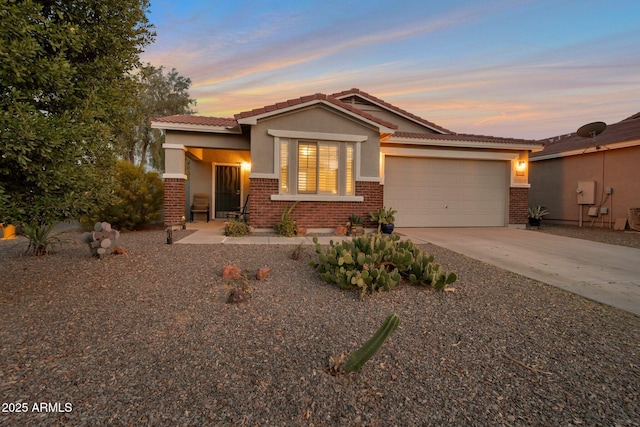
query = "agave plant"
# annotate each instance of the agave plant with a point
(41, 237)
(538, 212)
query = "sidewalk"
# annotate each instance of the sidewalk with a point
(212, 233)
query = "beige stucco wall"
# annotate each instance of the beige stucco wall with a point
(315, 119)
(208, 140)
(174, 160)
(554, 183)
(200, 179)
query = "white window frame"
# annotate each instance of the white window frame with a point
(291, 138)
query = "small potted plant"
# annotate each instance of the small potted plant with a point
(355, 226)
(385, 219)
(536, 214)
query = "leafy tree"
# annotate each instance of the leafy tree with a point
(159, 95)
(64, 76)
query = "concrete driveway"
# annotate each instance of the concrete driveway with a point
(605, 273)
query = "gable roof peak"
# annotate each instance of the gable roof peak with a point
(397, 110)
(317, 97)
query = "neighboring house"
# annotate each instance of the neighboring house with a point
(342, 154)
(606, 169)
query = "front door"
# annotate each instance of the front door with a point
(227, 190)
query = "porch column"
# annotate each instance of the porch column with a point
(519, 191)
(175, 181)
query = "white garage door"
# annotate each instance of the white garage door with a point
(429, 192)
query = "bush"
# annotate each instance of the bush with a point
(137, 199)
(287, 225)
(236, 228)
(378, 262)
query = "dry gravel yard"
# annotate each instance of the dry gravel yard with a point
(147, 338)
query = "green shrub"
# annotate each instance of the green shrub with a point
(236, 228)
(136, 199)
(378, 262)
(287, 225)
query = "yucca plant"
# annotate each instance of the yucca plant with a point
(287, 226)
(41, 237)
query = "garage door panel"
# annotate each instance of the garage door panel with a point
(430, 192)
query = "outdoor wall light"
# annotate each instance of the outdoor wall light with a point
(245, 166)
(521, 166)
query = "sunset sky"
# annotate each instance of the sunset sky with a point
(522, 69)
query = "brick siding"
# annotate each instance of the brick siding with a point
(265, 213)
(174, 200)
(518, 205)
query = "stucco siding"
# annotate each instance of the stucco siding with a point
(554, 183)
(200, 179)
(208, 140)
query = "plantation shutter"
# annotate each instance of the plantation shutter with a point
(307, 167)
(349, 170)
(284, 166)
(328, 168)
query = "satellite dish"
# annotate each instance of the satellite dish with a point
(591, 130)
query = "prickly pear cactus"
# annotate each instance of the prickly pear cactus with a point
(101, 240)
(377, 262)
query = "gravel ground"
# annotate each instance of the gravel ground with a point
(630, 238)
(147, 338)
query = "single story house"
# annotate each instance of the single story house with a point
(342, 154)
(594, 180)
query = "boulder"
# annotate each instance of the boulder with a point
(263, 273)
(231, 272)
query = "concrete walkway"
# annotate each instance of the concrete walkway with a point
(212, 232)
(605, 273)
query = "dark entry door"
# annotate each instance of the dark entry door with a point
(227, 190)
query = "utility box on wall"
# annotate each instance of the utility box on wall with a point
(586, 192)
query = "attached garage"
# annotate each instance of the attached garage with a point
(437, 192)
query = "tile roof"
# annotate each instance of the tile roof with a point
(356, 91)
(315, 97)
(197, 120)
(625, 130)
(464, 137)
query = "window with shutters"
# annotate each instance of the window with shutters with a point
(317, 167)
(312, 166)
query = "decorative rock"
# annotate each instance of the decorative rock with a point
(231, 272)
(340, 230)
(263, 273)
(302, 231)
(236, 296)
(119, 250)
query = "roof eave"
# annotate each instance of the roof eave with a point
(188, 127)
(588, 150)
(467, 144)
